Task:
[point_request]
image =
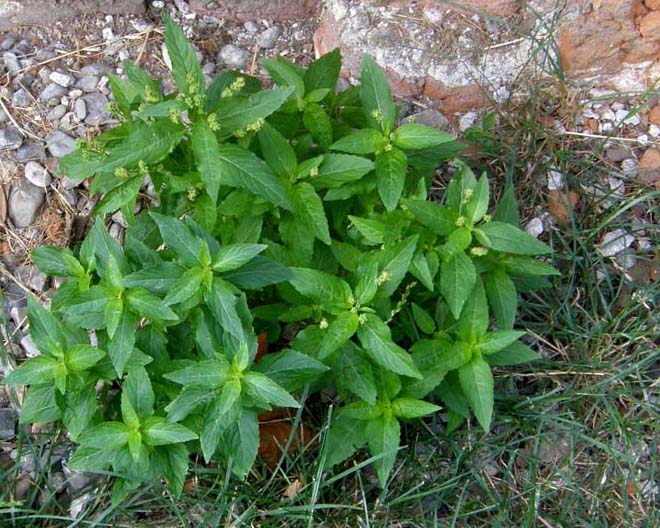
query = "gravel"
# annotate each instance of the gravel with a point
(31, 151)
(37, 174)
(268, 38)
(233, 56)
(52, 94)
(21, 98)
(96, 108)
(24, 203)
(10, 138)
(7, 424)
(59, 144)
(61, 78)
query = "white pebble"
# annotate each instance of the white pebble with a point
(36, 174)
(535, 227)
(629, 166)
(555, 180)
(654, 131)
(467, 120)
(615, 242)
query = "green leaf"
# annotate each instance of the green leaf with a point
(323, 72)
(189, 400)
(473, 322)
(242, 440)
(496, 341)
(131, 419)
(514, 354)
(529, 267)
(39, 405)
(222, 303)
(158, 279)
(239, 114)
(413, 137)
(230, 84)
(35, 371)
(83, 357)
(477, 205)
(309, 207)
(367, 285)
(143, 303)
(338, 333)
(119, 196)
(457, 279)
(290, 369)
(477, 383)
(208, 374)
(277, 151)
(186, 70)
(319, 125)
(137, 388)
(376, 339)
(322, 287)
(262, 388)
(258, 273)
(179, 238)
(140, 80)
(366, 141)
(157, 432)
(395, 263)
(423, 319)
(361, 410)
(285, 73)
(373, 231)
(112, 313)
(245, 170)
(419, 268)
(234, 256)
(507, 208)
(345, 437)
(164, 109)
(503, 298)
(509, 239)
(439, 219)
(57, 261)
(185, 287)
(172, 462)
(412, 408)
(354, 373)
(206, 148)
(79, 411)
(90, 459)
(391, 166)
(120, 346)
(383, 438)
(231, 392)
(338, 169)
(376, 97)
(85, 309)
(106, 436)
(45, 330)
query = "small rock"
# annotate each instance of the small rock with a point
(79, 504)
(467, 120)
(555, 180)
(208, 68)
(24, 203)
(74, 94)
(7, 424)
(52, 92)
(37, 174)
(3, 116)
(431, 118)
(617, 154)
(21, 98)
(88, 83)
(107, 33)
(166, 56)
(80, 109)
(59, 144)
(62, 78)
(7, 42)
(650, 159)
(56, 113)
(158, 4)
(10, 138)
(535, 227)
(234, 56)
(29, 347)
(251, 26)
(629, 166)
(654, 131)
(615, 242)
(626, 260)
(268, 38)
(32, 277)
(11, 62)
(96, 105)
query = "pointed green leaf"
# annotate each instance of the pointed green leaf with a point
(413, 137)
(457, 278)
(509, 239)
(391, 167)
(503, 298)
(477, 383)
(376, 97)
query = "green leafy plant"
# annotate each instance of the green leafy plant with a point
(298, 212)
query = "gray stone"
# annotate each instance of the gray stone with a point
(37, 174)
(3, 116)
(59, 144)
(21, 98)
(62, 78)
(31, 151)
(234, 56)
(95, 68)
(52, 94)
(32, 277)
(10, 138)
(269, 37)
(56, 113)
(431, 118)
(7, 42)
(97, 109)
(88, 83)
(24, 203)
(29, 347)
(11, 62)
(7, 424)
(80, 109)
(251, 26)
(618, 154)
